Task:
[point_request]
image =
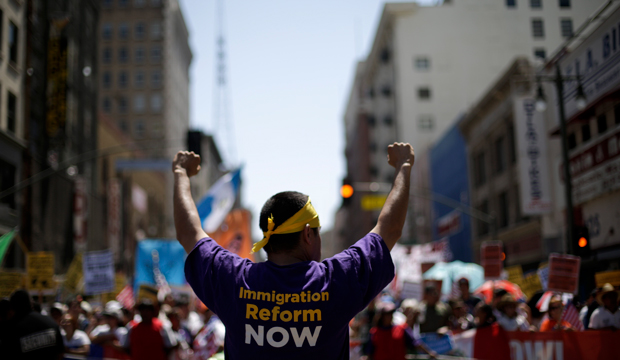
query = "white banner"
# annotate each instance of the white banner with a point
(98, 268)
(532, 157)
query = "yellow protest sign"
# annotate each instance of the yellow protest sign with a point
(74, 274)
(10, 282)
(40, 270)
(612, 277)
(373, 202)
(515, 274)
(147, 292)
(531, 284)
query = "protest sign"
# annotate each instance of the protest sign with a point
(98, 269)
(491, 257)
(119, 283)
(411, 290)
(543, 276)
(515, 274)
(611, 277)
(9, 282)
(563, 273)
(147, 292)
(74, 274)
(441, 344)
(530, 284)
(40, 270)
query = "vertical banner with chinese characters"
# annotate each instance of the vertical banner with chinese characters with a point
(530, 134)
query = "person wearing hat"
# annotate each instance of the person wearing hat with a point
(508, 317)
(292, 305)
(389, 341)
(607, 316)
(554, 321)
(106, 339)
(149, 339)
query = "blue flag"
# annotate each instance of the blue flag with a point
(218, 201)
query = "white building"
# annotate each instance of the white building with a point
(428, 64)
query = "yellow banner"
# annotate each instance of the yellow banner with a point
(40, 269)
(531, 284)
(373, 202)
(74, 274)
(515, 274)
(612, 277)
(147, 292)
(10, 282)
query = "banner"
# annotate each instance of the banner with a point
(171, 259)
(564, 273)
(74, 277)
(234, 233)
(491, 257)
(10, 282)
(612, 277)
(98, 268)
(40, 270)
(531, 137)
(5, 241)
(218, 201)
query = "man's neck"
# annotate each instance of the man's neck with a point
(288, 258)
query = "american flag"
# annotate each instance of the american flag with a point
(571, 316)
(125, 297)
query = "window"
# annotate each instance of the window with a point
(139, 55)
(123, 55)
(156, 31)
(601, 123)
(617, 114)
(107, 80)
(139, 104)
(155, 3)
(424, 93)
(500, 158)
(139, 31)
(122, 124)
(538, 29)
(107, 3)
(511, 3)
(585, 132)
(386, 90)
(384, 56)
(156, 103)
(426, 122)
(572, 141)
(483, 226)
(540, 53)
(106, 31)
(139, 128)
(371, 120)
(536, 4)
(422, 63)
(512, 148)
(122, 104)
(11, 113)
(155, 54)
(373, 171)
(564, 4)
(123, 31)
(156, 129)
(502, 204)
(480, 173)
(156, 79)
(107, 105)
(13, 42)
(387, 120)
(123, 3)
(139, 83)
(7, 181)
(107, 56)
(122, 79)
(139, 3)
(566, 27)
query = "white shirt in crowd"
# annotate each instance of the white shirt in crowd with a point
(601, 318)
(78, 339)
(119, 332)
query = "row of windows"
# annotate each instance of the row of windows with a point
(139, 79)
(504, 201)
(503, 153)
(538, 4)
(600, 125)
(139, 104)
(107, 31)
(13, 41)
(538, 28)
(139, 55)
(11, 112)
(139, 128)
(136, 3)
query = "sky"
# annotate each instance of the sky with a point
(290, 66)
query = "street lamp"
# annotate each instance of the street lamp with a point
(580, 103)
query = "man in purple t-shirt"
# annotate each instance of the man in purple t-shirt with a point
(293, 305)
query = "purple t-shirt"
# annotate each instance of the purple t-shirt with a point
(299, 311)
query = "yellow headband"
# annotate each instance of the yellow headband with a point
(296, 223)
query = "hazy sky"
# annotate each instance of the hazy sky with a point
(290, 68)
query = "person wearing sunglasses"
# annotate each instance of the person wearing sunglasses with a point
(555, 322)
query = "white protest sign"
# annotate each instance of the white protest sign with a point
(98, 268)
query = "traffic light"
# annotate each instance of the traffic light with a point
(346, 191)
(581, 241)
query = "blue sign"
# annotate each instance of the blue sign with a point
(171, 262)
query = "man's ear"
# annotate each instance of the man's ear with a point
(306, 233)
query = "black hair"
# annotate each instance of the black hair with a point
(20, 302)
(488, 311)
(282, 206)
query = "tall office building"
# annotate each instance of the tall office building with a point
(144, 58)
(428, 64)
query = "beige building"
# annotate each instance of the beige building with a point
(144, 59)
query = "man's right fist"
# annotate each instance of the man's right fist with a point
(186, 161)
(400, 154)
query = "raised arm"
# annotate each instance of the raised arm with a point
(186, 220)
(392, 217)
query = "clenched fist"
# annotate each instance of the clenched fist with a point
(186, 161)
(400, 154)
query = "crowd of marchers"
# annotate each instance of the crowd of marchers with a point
(389, 328)
(170, 328)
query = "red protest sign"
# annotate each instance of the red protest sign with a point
(491, 256)
(564, 273)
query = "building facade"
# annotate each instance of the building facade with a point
(144, 78)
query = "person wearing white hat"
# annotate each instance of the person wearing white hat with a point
(606, 317)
